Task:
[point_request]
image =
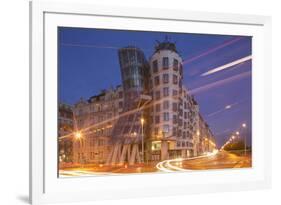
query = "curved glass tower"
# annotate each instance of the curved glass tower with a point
(133, 67)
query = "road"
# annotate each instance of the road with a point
(219, 160)
(216, 160)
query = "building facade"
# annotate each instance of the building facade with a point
(94, 120)
(65, 127)
(174, 114)
(150, 117)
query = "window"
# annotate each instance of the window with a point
(156, 80)
(166, 91)
(175, 107)
(174, 131)
(176, 65)
(180, 84)
(175, 92)
(150, 83)
(121, 104)
(151, 119)
(179, 133)
(175, 79)
(180, 122)
(155, 66)
(180, 112)
(166, 105)
(180, 69)
(156, 130)
(166, 116)
(157, 108)
(165, 63)
(184, 135)
(165, 128)
(175, 119)
(165, 78)
(157, 119)
(185, 115)
(157, 95)
(120, 94)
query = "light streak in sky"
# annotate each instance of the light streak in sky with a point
(94, 46)
(220, 82)
(227, 107)
(228, 65)
(88, 45)
(212, 50)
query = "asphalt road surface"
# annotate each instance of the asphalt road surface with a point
(219, 160)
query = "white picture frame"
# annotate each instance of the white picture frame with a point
(46, 187)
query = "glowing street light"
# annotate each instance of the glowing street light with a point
(233, 137)
(245, 147)
(78, 135)
(237, 133)
(142, 142)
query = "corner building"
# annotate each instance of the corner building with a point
(174, 114)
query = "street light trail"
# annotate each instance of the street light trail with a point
(228, 65)
(93, 46)
(212, 50)
(227, 107)
(220, 82)
(166, 165)
(83, 173)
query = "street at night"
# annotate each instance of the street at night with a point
(218, 160)
(159, 102)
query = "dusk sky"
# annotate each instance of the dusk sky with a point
(88, 63)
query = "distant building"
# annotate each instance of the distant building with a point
(150, 117)
(65, 127)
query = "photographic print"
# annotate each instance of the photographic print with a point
(132, 102)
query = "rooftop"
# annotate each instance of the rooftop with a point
(165, 45)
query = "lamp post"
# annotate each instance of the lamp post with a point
(142, 142)
(245, 147)
(78, 136)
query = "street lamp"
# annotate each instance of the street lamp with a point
(78, 135)
(142, 142)
(237, 133)
(245, 146)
